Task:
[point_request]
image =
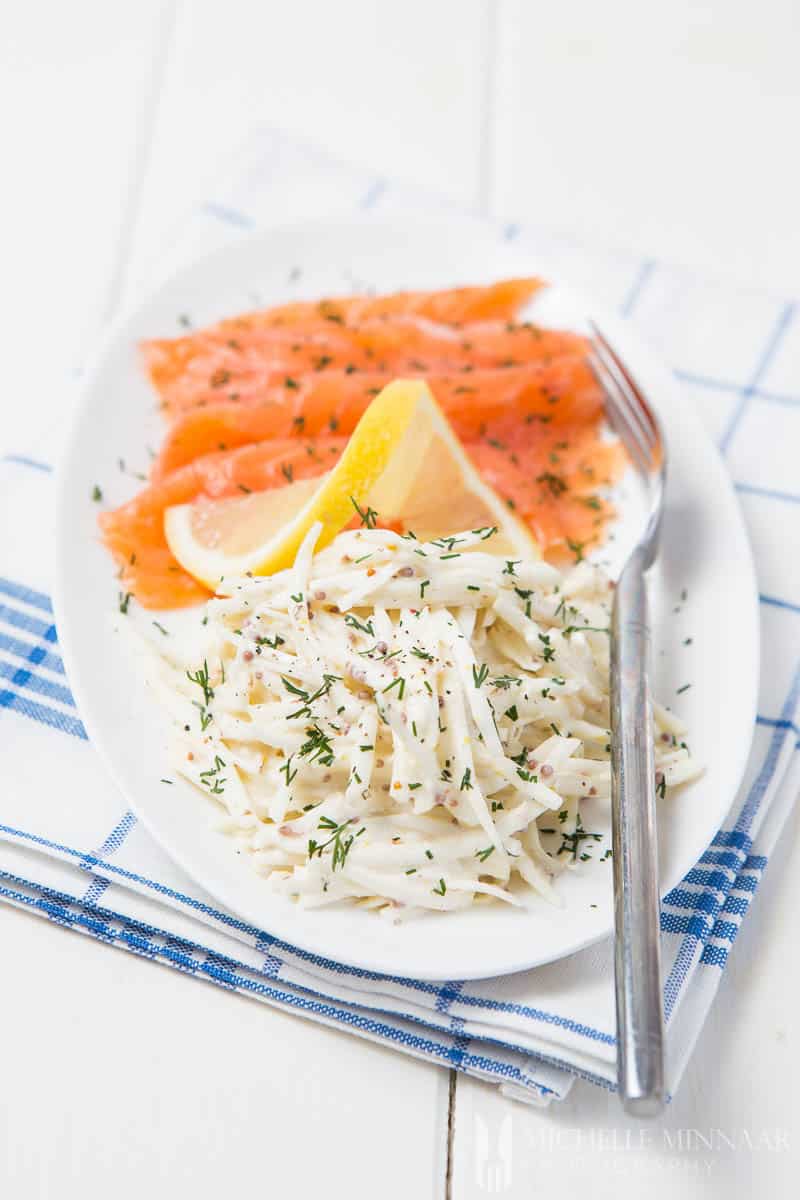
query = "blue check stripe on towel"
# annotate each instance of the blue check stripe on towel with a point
(708, 906)
(226, 971)
(32, 681)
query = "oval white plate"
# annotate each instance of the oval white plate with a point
(705, 555)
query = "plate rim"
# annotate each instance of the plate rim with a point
(621, 332)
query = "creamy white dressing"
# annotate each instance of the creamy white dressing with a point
(413, 726)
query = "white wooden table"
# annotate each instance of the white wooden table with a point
(127, 1080)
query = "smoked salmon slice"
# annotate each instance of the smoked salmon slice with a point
(450, 306)
(564, 390)
(555, 479)
(134, 533)
(213, 363)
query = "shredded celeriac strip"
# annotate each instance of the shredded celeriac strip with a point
(409, 725)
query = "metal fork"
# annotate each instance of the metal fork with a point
(640, 1012)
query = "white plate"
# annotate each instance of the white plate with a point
(704, 551)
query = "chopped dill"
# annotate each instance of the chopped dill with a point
(479, 674)
(317, 747)
(362, 626)
(368, 516)
(548, 651)
(571, 842)
(201, 678)
(505, 681)
(212, 778)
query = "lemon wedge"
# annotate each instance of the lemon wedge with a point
(403, 461)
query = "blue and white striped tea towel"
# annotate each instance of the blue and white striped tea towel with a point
(70, 851)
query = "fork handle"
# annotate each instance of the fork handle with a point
(640, 1013)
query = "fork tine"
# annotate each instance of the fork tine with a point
(629, 400)
(637, 413)
(632, 384)
(624, 406)
(619, 414)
